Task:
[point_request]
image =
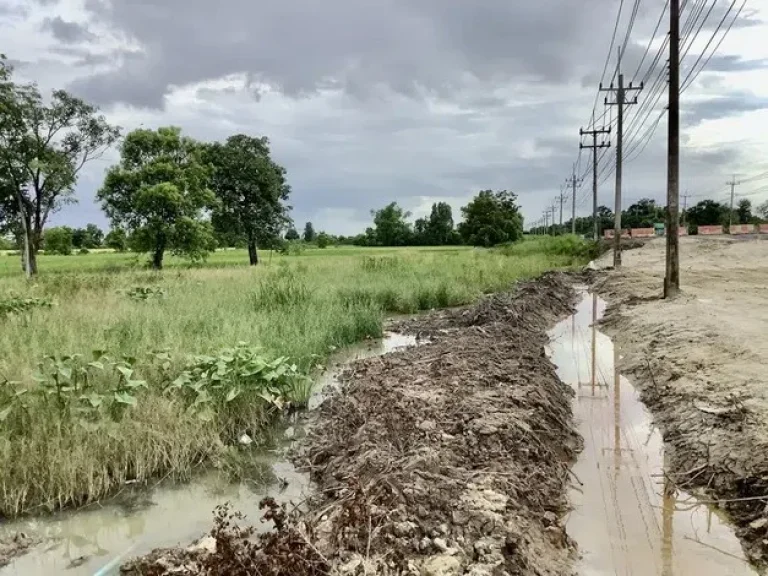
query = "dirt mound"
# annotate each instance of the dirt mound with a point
(448, 458)
(530, 304)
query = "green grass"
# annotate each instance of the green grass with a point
(302, 307)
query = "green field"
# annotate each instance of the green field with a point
(70, 433)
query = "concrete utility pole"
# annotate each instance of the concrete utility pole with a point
(562, 199)
(672, 276)
(546, 221)
(572, 182)
(685, 208)
(554, 211)
(621, 101)
(595, 146)
(733, 183)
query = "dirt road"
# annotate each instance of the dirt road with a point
(700, 365)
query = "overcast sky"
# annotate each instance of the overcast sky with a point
(418, 101)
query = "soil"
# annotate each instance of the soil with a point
(699, 362)
(12, 547)
(448, 458)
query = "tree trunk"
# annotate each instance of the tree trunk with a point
(253, 253)
(157, 256)
(28, 254)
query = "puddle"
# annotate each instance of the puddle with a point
(94, 541)
(627, 518)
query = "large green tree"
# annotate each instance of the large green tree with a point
(44, 144)
(309, 232)
(642, 214)
(89, 237)
(59, 240)
(707, 213)
(744, 211)
(491, 218)
(391, 227)
(252, 191)
(159, 192)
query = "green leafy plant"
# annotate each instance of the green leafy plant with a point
(18, 305)
(230, 385)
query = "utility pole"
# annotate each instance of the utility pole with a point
(553, 207)
(733, 183)
(546, 221)
(595, 146)
(573, 181)
(562, 199)
(672, 276)
(621, 101)
(685, 208)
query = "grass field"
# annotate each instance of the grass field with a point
(74, 426)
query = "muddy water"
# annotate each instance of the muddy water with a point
(94, 541)
(628, 518)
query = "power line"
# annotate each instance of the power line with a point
(686, 83)
(650, 42)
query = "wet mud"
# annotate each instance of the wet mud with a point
(449, 458)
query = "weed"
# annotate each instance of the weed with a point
(144, 293)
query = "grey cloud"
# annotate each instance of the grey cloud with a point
(733, 63)
(67, 32)
(300, 46)
(721, 107)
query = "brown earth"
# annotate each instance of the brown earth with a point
(700, 364)
(447, 458)
(12, 547)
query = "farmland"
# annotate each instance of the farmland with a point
(113, 373)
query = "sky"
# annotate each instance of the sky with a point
(366, 102)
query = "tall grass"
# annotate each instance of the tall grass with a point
(302, 307)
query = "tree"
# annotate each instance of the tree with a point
(707, 213)
(744, 211)
(391, 227)
(159, 192)
(440, 225)
(251, 190)
(643, 214)
(309, 232)
(323, 240)
(762, 210)
(292, 234)
(491, 218)
(58, 240)
(117, 239)
(43, 147)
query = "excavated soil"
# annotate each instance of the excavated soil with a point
(447, 458)
(14, 546)
(699, 363)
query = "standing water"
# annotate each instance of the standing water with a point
(628, 518)
(95, 540)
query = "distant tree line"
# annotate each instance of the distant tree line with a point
(645, 213)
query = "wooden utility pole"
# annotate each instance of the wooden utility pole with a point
(733, 183)
(573, 182)
(595, 146)
(621, 101)
(672, 276)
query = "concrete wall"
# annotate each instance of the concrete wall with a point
(643, 232)
(710, 230)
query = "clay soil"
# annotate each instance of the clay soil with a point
(700, 364)
(447, 458)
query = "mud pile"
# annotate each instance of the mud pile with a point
(14, 546)
(448, 458)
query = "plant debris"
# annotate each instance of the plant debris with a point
(447, 458)
(14, 546)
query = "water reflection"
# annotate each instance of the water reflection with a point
(628, 517)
